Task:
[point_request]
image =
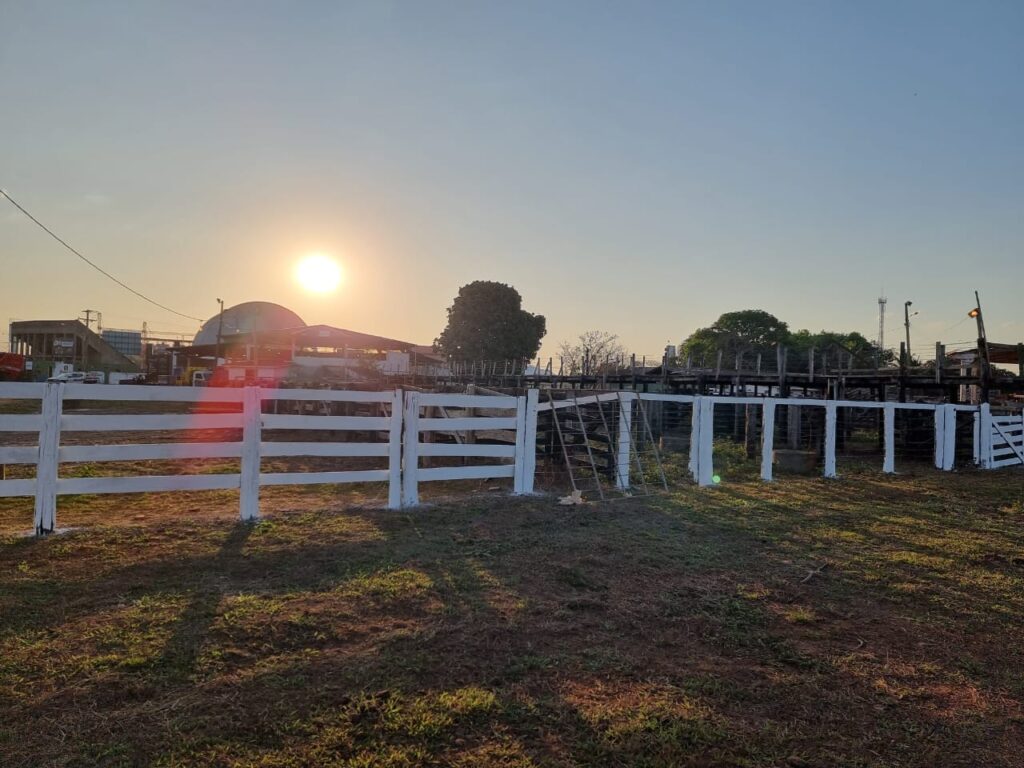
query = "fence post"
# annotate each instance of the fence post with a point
(48, 463)
(949, 437)
(706, 470)
(625, 436)
(395, 452)
(985, 436)
(530, 440)
(940, 436)
(520, 465)
(695, 438)
(410, 450)
(251, 435)
(830, 438)
(889, 429)
(767, 439)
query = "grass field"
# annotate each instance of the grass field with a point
(869, 621)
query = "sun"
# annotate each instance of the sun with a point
(318, 273)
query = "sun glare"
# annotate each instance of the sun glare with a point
(318, 273)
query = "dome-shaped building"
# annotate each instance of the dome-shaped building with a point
(258, 316)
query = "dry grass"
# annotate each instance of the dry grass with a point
(868, 621)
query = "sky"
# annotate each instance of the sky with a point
(637, 168)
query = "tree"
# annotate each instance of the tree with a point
(487, 322)
(594, 352)
(735, 334)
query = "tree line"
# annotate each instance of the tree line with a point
(486, 321)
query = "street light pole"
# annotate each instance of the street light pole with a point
(220, 332)
(906, 323)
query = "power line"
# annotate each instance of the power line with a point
(98, 268)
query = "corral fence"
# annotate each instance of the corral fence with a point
(402, 439)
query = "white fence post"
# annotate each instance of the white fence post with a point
(948, 437)
(530, 440)
(395, 452)
(47, 464)
(251, 434)
(625, 436)
(889, 429)
(767, 439)
(985, 436)
(940, 435)
(830, 438)
(520, 466)
(695, 438)
(705, 469)
(410, 451)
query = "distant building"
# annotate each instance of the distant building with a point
(125, 342)
(65, 342)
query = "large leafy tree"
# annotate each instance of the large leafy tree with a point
(487, 322)
(735, 334)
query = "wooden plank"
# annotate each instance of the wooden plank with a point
(706, 471)
(146, 393)
(328, 395)
(464, 423)
(150, 422)
(467, 473)
(21, 390)
(149, 484)
(455, 400)
(324, 478)
(341, 423)
(9, 488)
(149, 452)
(324, 449)
(20, 422)
(469, 450)
(19, 454)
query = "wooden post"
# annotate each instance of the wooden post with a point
(48, 463)
(830, 438)
(517, 477)
(949, 435)
(249, 497)
(985, 436)
(694, 464)
(940, 435)
(705, 470)
(410, 450)
(395, 452)
(767, 439)
(889, 431)
(625, 436)
(530, 441)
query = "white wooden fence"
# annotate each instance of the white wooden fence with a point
(399, 433)
(701, 464)
(394, 411)
(518, 414)
(1005, 444)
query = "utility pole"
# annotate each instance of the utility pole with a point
(882, 301)
(906, 323)
(984, 361)
(220, 331)
(88, 317)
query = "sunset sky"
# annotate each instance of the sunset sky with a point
(638, 168)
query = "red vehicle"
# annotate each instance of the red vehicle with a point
(11, 366)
